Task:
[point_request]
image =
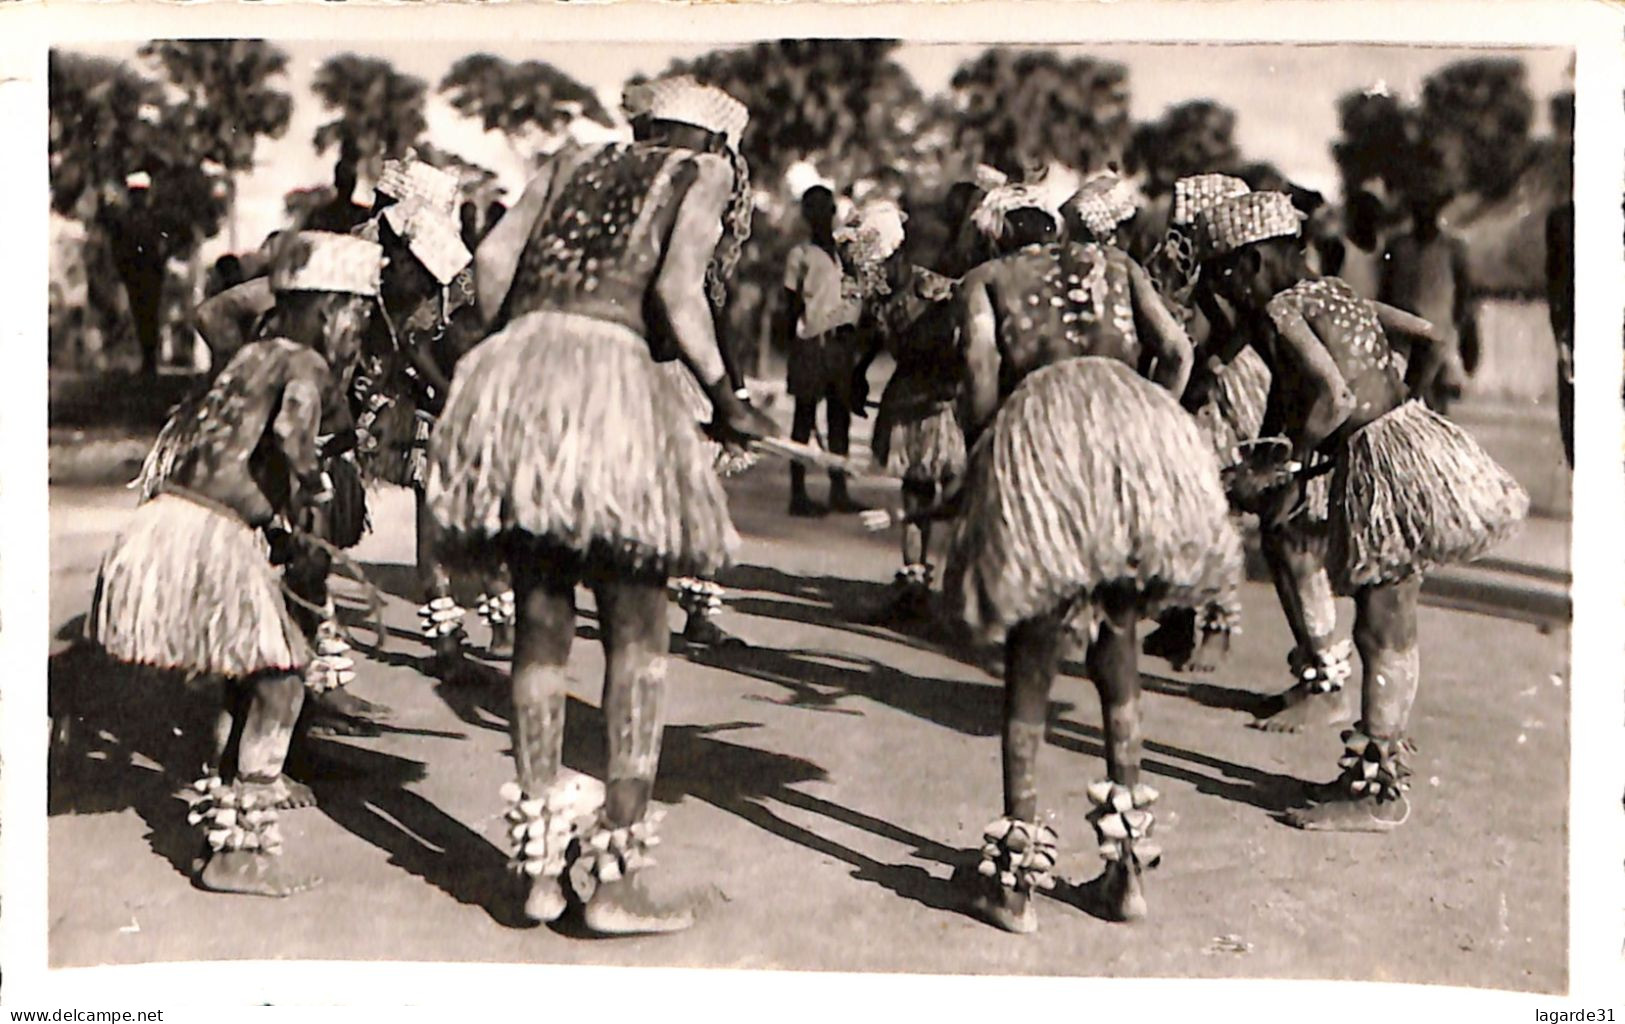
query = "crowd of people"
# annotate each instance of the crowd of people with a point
(1092, 430)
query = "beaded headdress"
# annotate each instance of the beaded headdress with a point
(1245, 219)
(1004, 200)
(322, 261)
(424, 214)
(1201, 192)
(1105, 201)
(874, 232)
(411, 181)
(685, 100)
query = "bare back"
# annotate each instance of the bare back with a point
(1057, 302)
(1347, 328)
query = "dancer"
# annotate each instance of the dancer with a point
(917, 435)
(430, 321)
(1091, 500)
(1409, 491)
(701, 599)
(1425, 272)
(324, 296)
(564, 448)
(818, 326)
(188, 585)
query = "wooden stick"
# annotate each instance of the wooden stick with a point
(810, 455)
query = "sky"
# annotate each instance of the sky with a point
(1284, 96)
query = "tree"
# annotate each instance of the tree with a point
(1190, 138)
(1021, 109)
(108, 122)
(230, 101)
(518, 99)
(380, 110)
(1375, 127)
(1484, 107)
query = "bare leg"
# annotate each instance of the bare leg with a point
(633, 614)
(1298, 565)
(839, 414)
(1032, 656)
(909, 598)
(1368, 797)
(1113, 666)
(801, 431)
(546, 628)
(262, 746)
(436, 582)
(498, 590)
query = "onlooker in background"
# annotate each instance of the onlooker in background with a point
(1424, 271)
(818, 327)
(1560, 306)
(1362, 251)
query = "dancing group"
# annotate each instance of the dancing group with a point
(560, 401)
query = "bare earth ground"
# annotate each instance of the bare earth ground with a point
(822, 786)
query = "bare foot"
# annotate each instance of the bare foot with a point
(1003, 908)
(252, 874)
(1119, 893)
(702, 631)
(341, 701)
(1351, 814)
(624, 907)
(545, 901)
(1300, 708)
(294, 795)
(501, 645)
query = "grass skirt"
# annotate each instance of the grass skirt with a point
(179, 436)
(346, 519)
(682, 378)
(1236, 412)
(189, 586)
(1091, 479)
(561, 432)
(402, 438)
(917, 435)
(1413, 491)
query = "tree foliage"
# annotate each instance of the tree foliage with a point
(1020, 109)
(1482, 108)
(1190, 138)
(231, 100)
(379, 110)
(515, 98)
(107, 122)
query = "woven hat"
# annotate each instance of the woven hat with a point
(1200, 192)
(137, 180)
(1105, 201)
(322, 261)
(1000, 202)
(685, 100)
(425, 215)
(412, 181)
(1245, 219)
(874, 232)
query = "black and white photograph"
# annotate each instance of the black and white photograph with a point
(1083, 508)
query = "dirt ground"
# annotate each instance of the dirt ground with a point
(823, 784)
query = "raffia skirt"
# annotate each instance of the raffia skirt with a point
(403, 441)
(917, 434)
(562, 434)
(180, 434)
(727, 463)
(189, 586)
(1236, 412)
(1091, 479)
(1413, 491)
